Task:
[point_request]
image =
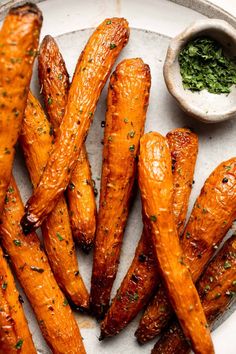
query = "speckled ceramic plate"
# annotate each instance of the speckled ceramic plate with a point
(153, 23)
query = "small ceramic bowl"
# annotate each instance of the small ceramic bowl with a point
(202, 105)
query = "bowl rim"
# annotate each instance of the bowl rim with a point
(175, 46)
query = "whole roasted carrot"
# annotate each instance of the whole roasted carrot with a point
(127, 102)
(54, 81)
(211, 218)
(156, 186)
(14, 332)
(19, 42)
(217, 292)
(36, 142)
(92, 71)
(142, 276)
(31, 266)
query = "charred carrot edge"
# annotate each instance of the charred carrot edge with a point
(19, 38)
(31, 266)
(14, 330)
(156, 186)
(54, 82)
(127, 102)
(216, 288)
(92, 71)
(141, 278)
(211, 218)
(36, 141)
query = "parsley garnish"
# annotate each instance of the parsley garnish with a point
(203, 65)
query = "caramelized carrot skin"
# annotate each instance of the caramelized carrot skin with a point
(14, 332)
(211, 217)
(183, 144)
(54, 80)
(141, 278)
(36, 141)
(217, 292)
(90, 76)
(19, 42)
(156, 186)
(127, 103)
(30, 263)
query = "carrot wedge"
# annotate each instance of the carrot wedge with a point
(19, 38)
(92, 71)
(211, 217)
(36, 142)
(216, 289)
(31, 266)
(156, 186)
(142, 277)
(14, 331)
(54, 81)
(127, 102)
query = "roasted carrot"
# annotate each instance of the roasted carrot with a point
(127, 102)
(36, 142)
(19, 42)
(211, 218)
(141, 278)
(92, 71)
(156, 186)
(14, 332)
(217, 292)
(31, 266)
(54, 82)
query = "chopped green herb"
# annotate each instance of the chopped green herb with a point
(126, 120)
(6, 200)
(60, 76)
(65, 302)
(110, 138)
(188, 235)
(203, 65)
(132, 148)
(19, 344)
(207, 288)
(227, 265)
(113, 45)
(90, 114)
(71, 186)
(108, 22)
(60, 238)
(50, 101)
(17, 242)
(153, 218)
(4, 286)
(228, 168)
(217, 295)
(204, 210)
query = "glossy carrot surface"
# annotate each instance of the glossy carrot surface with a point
(19, 37)
(36, 141)
(15, 336)
(54, 80)
(211, 218)
(92, 71)
(127, 103)
(142, 277)
(156, 186)
(31, 266)
(217, 292)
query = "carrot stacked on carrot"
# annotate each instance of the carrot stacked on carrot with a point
(127, 102)
(31, 266)
(211, 218)
(54, 80)
(141, 279)
(19, 38)
(156, 186)
(91, 73)
(217, 292)
(36, 141)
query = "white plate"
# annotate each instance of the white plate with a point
(155, 21)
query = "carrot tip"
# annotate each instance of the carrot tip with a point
(86, 247)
